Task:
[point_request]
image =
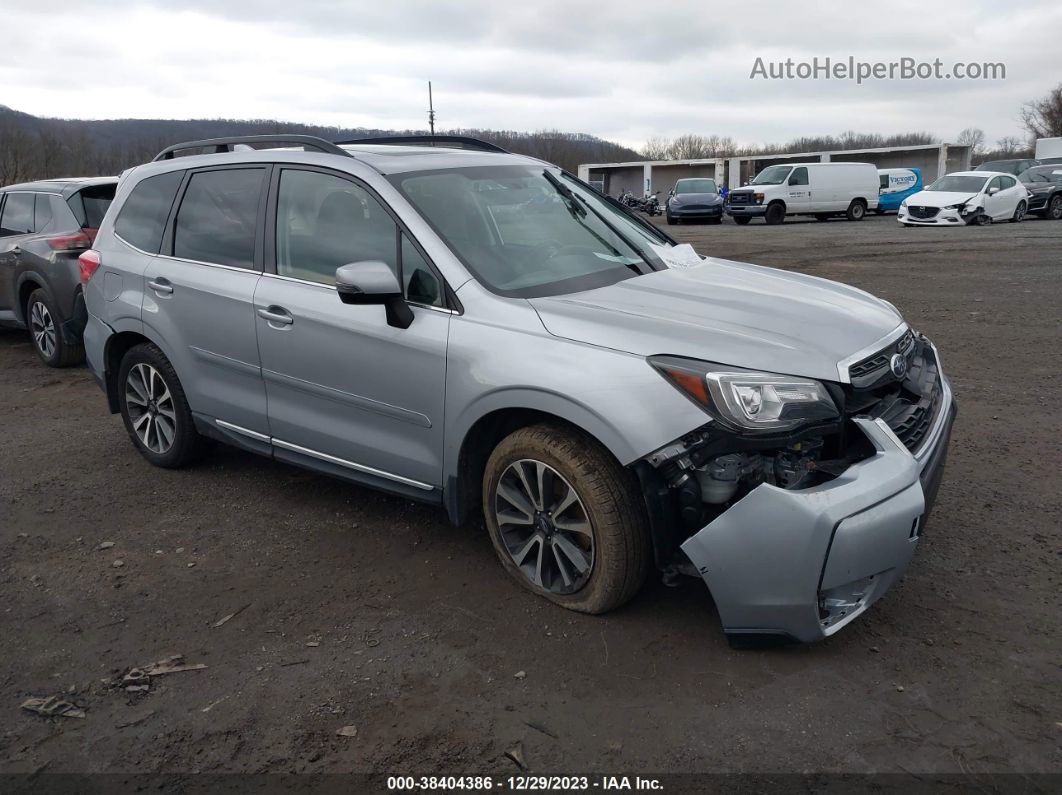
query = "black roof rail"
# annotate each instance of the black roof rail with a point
(220, 145)
(465, 141)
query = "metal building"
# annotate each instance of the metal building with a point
(649, 176)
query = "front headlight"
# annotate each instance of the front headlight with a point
(958, 206)
(746, 400)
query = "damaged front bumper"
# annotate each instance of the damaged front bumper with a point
(802, 564)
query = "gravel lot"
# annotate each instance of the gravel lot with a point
(358, 609)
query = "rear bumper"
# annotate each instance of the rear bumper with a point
(803, 564)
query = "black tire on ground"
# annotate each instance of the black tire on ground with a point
(856, 211)
(45, 327)
(610, 496)
(775, 213)
(822, 216)
(981, 219)
(1019, 213)
(670, 221)
(741, 219)
(170, 415)
(1053, 211)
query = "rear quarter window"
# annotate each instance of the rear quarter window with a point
(17, 218)
(142, 219)
(90, 205)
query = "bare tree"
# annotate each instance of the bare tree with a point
(1043, 117)
(1009, 145)
(657, 148)
(973, 137)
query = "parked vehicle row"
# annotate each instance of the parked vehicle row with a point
(44, 227)
(455, 327)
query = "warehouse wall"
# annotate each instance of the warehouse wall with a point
(665, 177)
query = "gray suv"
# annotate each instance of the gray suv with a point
(483, 331)
(44, 227)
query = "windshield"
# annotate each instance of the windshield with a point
(1049, 173)
(959, 184)
(695, 186)
(1006, 166)
(525, 231)
(774, 175)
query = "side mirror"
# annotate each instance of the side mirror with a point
(373, 282)
(993, 191)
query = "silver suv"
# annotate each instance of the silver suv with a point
(480, 330)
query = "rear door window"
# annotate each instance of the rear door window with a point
(18, 214)
(218, 216)
(142, 219)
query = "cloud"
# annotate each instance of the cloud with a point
(620, 70)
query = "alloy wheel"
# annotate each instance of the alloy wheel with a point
(43, 329)
(1019, 212)
(150, 406)
(544, 526)
(1054, 209)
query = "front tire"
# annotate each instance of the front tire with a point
(670, 221)
(775, 214)
(856, 211)
(566, 519)
(1054, 208)
(45, 327)
(155, 410)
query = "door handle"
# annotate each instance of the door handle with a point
(276, 314)
(161, 286)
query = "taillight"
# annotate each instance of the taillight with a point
(78, 241)
(89, 263)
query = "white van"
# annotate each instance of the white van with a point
(819, 189)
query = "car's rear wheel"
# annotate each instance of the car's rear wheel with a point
(45, 327)
(155, 409)
(1019, 213)
(856, 211)
(1054, 208)
(741, 219)
(566, 519)
(775, 214)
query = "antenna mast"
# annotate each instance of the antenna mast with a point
(431, 112)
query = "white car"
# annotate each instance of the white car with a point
(966, 197)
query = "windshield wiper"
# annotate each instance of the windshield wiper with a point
(569, 194)
(574, 207)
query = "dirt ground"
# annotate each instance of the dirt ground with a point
(358, 609)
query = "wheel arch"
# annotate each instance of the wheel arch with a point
(118, 344)
(27, 282)
(481, 430)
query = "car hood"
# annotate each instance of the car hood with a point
(726, 312)
(939, 198)
(697, 198)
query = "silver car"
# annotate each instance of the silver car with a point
(480, 330)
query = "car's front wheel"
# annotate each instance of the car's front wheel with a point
(1054, 208)
(566, 519)
(155, 410)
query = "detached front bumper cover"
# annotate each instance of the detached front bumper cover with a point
(802, 564)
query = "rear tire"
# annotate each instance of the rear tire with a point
(1019, 213)
(593, 493)
(775, 214)
(45, 327)
(155, 410)
(856, 211)
(741, 219)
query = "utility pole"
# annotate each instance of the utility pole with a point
(431, 112)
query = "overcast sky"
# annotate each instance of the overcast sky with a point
(618, 69)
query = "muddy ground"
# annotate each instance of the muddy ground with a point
(357, 609)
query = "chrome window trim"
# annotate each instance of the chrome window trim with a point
(331, 288)
(874, 347)
(135, 248)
